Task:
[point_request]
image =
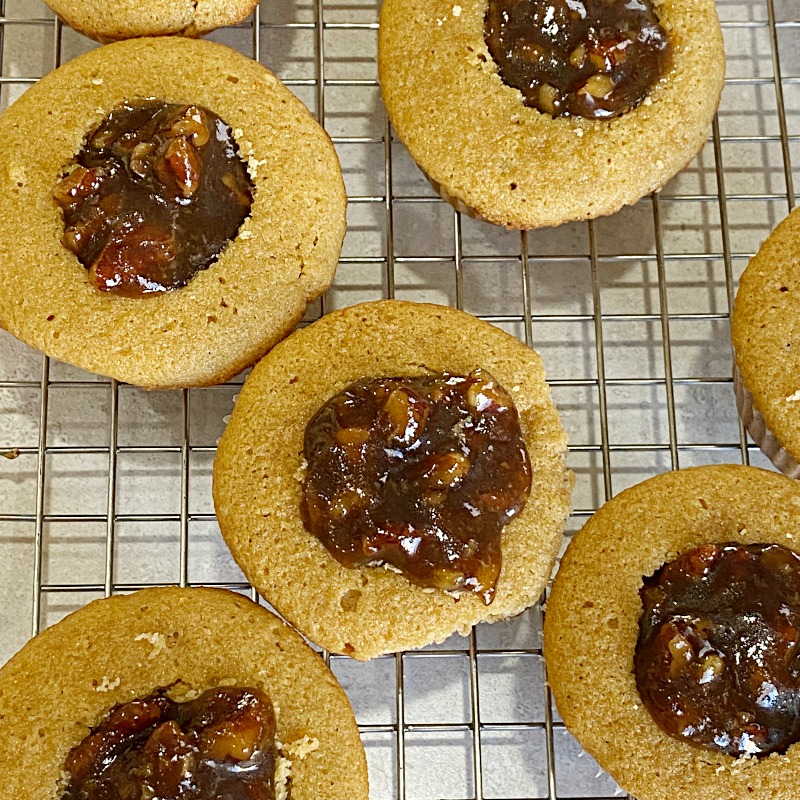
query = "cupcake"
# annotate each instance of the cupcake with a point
(125, 19)
(671, 633)
(150, 693)
(392, 474)
(534, 113)
(172, 217)
(766, 342)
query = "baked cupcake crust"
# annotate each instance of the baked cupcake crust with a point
(259, 470)
(765, 328)
(283, 257)
(592, 625)
(124, 19)
(64, 681)
(493, 157)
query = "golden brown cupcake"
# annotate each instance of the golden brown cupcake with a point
(494, 157)
(283, 255)
(65, 681)
(125, 19)
(261, 468)
(766, 342)
(592, 627)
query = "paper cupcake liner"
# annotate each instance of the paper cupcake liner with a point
(759, 432)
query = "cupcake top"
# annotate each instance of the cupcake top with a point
(126, 19)
(151, 111)
(525, 113)
(207, 677)
(675, 591)
(392, 474)
(766, 332)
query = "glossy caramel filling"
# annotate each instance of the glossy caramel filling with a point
(418, 474)
(588, 58)
(155, 194)
(718, 658)
(221, 745)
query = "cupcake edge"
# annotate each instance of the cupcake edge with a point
(111, 23)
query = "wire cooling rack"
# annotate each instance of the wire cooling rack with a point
(106, 488)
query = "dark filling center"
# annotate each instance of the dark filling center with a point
(221, 745)
(718, 661)
(588, 58)
(418, 473)
(157, 191)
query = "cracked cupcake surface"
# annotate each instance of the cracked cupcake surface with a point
(125, 19)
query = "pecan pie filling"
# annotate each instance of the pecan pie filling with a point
(221, 745)
(156, 193)
(718, 657)
(590, 58)
(420, 475)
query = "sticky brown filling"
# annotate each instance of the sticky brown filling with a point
(421, 474)
(155, 194)
(588, 58)
(717, 662)
(221, 745)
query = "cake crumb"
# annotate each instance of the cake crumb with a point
(793, 398)
(157, 640)
(17, 174)
(745, 760)
(107, 685)
(97, 81)
(252, 162)
(184, 695)
(648, 101)
(246, 235)
(300, 748)
(578, 132)
(283, 772)
(63, 780)
(457, 11)
(300, 472)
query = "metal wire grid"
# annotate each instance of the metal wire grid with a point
(471, 718)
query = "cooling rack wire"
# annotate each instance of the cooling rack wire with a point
(106, 488)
